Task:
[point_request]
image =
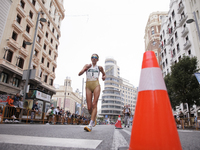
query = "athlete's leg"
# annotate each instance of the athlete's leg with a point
(89, 100)
(95, 101)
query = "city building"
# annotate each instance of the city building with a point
(178, 38)
(67, 99)
(117, 92)
(18, 26)
(152, 33)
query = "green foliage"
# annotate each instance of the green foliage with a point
(182, 85)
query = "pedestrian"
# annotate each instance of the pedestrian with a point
(92, 88)
(16, 100)
(127, 113)
(11, 108)
(56, 114)
(34, 111)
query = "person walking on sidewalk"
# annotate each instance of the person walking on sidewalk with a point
(127, 113)
(92, 88)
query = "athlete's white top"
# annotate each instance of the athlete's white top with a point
(92, 73)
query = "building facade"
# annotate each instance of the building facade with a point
(19, 24)
(178, 38)
(67, 99)
(152, 33)
(117, 92)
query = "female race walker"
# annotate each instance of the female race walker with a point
(92, 88)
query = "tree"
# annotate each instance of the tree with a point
(182, 85)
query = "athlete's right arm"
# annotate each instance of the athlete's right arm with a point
(85, 68)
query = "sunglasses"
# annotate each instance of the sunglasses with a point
(95, 57)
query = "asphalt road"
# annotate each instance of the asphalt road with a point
(73, 137)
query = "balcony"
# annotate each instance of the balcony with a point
(180, 9)
(56, 52)
(44, 53)
(50, 58)
(40, 32)
(26, 35)
(17, 26)
(38, 46)
(30, 21)
(35, 59)
(48, 70)
(51, 46)
(23, 51)
(46, 41)
(187, 45)
(54, 63)
(184, 32)
(13, 43)
(182, 20)
(21, 10)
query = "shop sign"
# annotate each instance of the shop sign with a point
(43, 96)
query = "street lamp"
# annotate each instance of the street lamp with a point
(65, 92)
(194, 20)
(30, 60)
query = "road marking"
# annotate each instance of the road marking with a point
(118, 140)
(128, 132)
(48, 141)
(187, 131)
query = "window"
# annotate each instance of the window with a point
(48, 23)
(15, 82)
(4, 77)
(33, 2)
(53, 69)
(53, 30)
(14, 36)
(56, 47)
(27, 28)
(38, 38)
(31, 14)
(45, 78)
(49, 52)
(165, 51)
(173, 14)
(55, 57)
(178, 48)
(58, 37)
(21, 63)
(34, 67)
(43, 1)
(174, 24)
(24, 45)
(48, 64)
(18, 18)
(152, 32)
(153, 43)
(22, 4)
(40, 25)
(51, 41)
(172, 41)
(176, 35)
(42, 60)
(174, 53)
(40, 74)
(166, 62)
(179, 58)
(51, 82)
(47, 34)
(189, 52)
(35, 53)
(9, 55)
(45, 46)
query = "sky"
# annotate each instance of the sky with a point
(112, 29)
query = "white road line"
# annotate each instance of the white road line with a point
(47, 141)
(128, 132)
(187, 131)
(118, 140)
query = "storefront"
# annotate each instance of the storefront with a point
(42, 99)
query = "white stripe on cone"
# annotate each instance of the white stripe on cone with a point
(151, 79)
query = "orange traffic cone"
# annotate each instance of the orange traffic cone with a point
(153, 126)
(118, 124)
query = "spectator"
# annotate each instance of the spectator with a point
(34, 111)
(56, 115)
(16, 100)
(11, 108)
(49, 115)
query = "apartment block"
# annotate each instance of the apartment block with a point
(18, 26)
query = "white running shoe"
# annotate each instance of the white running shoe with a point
(88, 128)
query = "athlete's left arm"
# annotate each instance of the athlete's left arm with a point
(103, 73)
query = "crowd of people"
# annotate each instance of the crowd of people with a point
(59, 116)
